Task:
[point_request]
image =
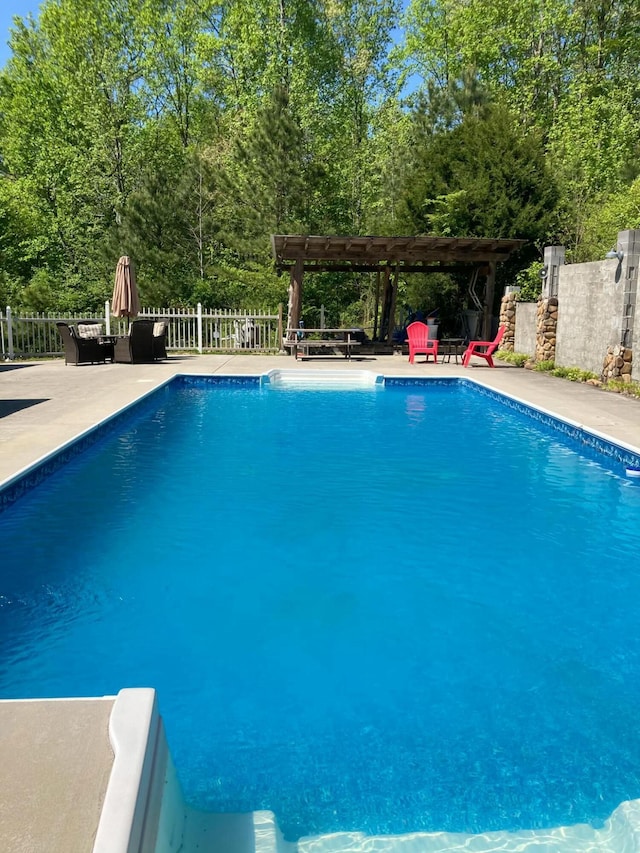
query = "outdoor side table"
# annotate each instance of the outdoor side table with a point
(108, 342)
(451, 346)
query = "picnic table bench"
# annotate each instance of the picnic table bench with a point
(299, 343)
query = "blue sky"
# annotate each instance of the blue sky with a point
(8, 9)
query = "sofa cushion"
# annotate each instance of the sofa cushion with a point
(89, 330)
(159, 328)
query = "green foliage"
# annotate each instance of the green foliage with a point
(529, 281)
(435, 292)
(574, 374)
(605, 215)
(632, 389)
(38, 294)
(186, 134)
(519, 359)
(483, 177)
(269, 176)
(230, 284)
(562, 67)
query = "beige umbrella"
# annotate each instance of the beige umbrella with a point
(125, 301)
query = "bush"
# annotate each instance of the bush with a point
(530, 282)
(620, 387)
(574, 374)
(517, 358)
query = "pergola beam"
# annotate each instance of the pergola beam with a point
(408, 268)
(444, 255)
(380, 250)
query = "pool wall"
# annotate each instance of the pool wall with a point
(22, 481)
(130, 817)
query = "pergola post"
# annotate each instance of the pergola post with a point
(295, 294)
(386, 305)
(489, 292)
(375, 316)
(394, 302)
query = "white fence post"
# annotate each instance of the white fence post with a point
(10, 334)
(107, 317)
(200, 327)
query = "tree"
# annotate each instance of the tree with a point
(365, 83)
(270, 177)
(484, 177)
(567, 68)
(68, 130)
(154, 231)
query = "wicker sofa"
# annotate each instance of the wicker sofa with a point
(146, 342)
(137, 346)
(83, 344)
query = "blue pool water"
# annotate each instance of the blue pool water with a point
(383, 610)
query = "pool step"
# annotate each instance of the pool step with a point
(303, 378)
(619, 834)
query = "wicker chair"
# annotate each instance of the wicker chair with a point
(160, 332)
(137, 346)
(79, 350)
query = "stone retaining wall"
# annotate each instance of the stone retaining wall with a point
(617, 363)
(508, 320)
(546, 329)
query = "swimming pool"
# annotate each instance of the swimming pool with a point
(394, 609)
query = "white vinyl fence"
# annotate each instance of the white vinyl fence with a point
(190, 330)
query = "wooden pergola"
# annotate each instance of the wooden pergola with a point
(388, 257)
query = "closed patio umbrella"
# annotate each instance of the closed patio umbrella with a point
(125, 301)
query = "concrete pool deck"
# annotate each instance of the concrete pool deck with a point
(56, 756)
(55, 761)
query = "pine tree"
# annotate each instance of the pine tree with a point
(270, 179)
(483, 177)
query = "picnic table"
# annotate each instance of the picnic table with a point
(300, 341)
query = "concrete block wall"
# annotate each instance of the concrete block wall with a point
(590, 322)
(525, 336)
(590, 298)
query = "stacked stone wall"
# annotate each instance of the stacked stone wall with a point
(546, 328)
(617, 363)
(508, 320)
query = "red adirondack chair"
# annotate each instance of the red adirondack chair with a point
(483, 349)
(420, 342)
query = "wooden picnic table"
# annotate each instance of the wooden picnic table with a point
(298, 341)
